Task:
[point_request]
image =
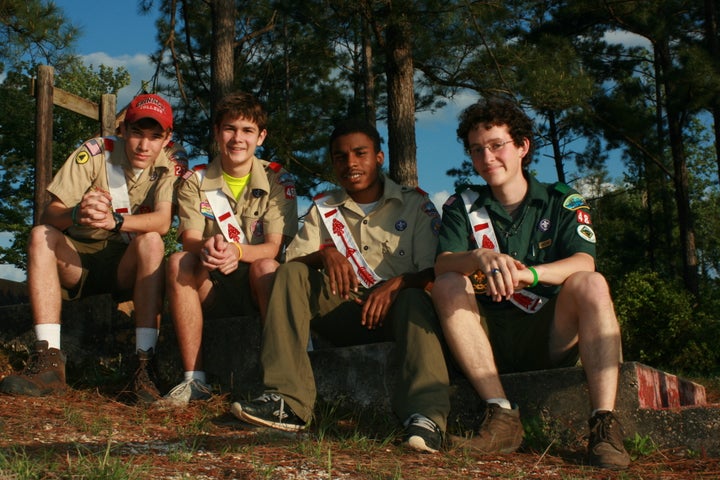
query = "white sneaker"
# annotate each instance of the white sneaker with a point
(187, 391)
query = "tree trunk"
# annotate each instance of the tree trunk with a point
(557, 154)
(713, 46)
(680, 174)
(401, 102)
(222, 69)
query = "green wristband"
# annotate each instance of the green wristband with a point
(73, 214)
(535, 277)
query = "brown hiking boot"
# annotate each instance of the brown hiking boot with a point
(501, 431)
(43, 375)
(144, 379)
(605, 447)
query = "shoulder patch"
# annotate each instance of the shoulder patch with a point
(109, 144)
(575, 201)
(94, 146)
(82, 157)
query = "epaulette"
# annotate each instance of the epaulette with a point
(109, 143)
(319, 196)
(561, 187)
(274, 166)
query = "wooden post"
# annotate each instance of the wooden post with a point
(43, 138)
(107, 114)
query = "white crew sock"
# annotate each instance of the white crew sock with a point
(145, 338)
(49, 332)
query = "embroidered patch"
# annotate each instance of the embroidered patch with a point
(400, 225)
(545, 243)
(583, 217)
(82, 157)
(206, 210)
(575, 201)
(93, 147)
(436, 223)
(430, 210)
(451, 199)
(544, 225)
(586, 233)
(289, 192)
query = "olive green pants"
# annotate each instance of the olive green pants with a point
(301, 301)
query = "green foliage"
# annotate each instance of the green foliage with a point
(640, 446)
(661, 325)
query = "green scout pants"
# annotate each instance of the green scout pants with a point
(301, 300)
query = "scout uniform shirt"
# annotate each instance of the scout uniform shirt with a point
(86, 169)
(552, 223)
(267, 203)
(398, 236)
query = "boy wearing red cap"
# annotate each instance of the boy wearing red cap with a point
(101, 232)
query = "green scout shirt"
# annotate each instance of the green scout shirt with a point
(553, 223)
(399, 236)
(85, 169)
(266, 205)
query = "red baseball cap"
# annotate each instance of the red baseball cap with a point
(152, 106)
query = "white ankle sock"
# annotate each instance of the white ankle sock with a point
(145, 338)
(49, 332)
(503, 402)
(194, 375)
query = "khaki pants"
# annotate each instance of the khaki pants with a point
(301, 300)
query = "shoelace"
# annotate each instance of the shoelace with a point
(423, 422)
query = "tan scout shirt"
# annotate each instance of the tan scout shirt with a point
(266, 205)
(86, 169)
(398, 236)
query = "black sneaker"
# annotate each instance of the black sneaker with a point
(422, 434)
(605, 446)
(269, 410)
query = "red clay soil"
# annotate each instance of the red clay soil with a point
(205, 442)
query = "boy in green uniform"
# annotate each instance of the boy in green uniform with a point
(235, 217)
(357, 273)
(516, 286)
(111, 202)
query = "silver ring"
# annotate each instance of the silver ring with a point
(495, 271)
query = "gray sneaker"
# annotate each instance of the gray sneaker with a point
(187, 391)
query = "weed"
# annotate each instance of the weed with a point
(640, 446)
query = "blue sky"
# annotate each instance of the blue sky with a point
(113, 33)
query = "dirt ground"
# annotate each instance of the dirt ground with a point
(204, 441)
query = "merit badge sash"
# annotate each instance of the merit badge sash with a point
(223, 213)
(118, 191)
(345, 243)
(484, 234)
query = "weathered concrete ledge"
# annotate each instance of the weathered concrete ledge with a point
(669, 410)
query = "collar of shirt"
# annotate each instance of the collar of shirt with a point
(214, 178)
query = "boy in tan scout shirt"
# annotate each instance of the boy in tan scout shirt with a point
(235, 217)
(357, 273)
(111, 202)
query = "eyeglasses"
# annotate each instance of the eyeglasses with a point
(477, 150)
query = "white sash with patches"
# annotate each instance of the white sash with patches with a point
(484, 234)
(118, 192)
(345, 243)
(223, 213)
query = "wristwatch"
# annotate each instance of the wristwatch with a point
(119, 219)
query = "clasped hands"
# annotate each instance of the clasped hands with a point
(505, 275)
(219, 254)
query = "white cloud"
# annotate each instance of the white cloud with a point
(626, 38)
(438, 198)
(11, 272)
(138, 66)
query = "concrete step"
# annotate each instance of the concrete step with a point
(671, 411)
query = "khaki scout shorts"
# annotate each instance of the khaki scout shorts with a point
(520, 341)
(99, 260)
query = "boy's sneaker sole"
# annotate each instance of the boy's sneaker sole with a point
(237, 410)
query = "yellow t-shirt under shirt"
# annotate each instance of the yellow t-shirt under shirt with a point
(237, 185)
